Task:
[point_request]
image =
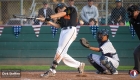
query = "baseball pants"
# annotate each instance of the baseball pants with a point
(67, 36)
(96, 58)
(137, 58)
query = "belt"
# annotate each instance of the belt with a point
(114, 54)
(69, 27)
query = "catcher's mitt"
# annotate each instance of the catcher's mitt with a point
(84, 42)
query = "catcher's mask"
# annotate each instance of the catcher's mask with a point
(60, 5)
(131, 9)
(101, 33)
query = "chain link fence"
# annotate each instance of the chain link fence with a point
(28, 8)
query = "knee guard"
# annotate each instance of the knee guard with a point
(107, 64)
(89, 57)
(54, 65)
(94, 64)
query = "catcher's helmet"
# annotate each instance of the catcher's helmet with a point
(59, 5)
(131, 9)
(102, 32)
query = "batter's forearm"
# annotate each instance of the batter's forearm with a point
(54, 24)
(60, 14)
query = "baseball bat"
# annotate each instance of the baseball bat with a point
(24, 17)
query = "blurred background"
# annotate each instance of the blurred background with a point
(29, 8)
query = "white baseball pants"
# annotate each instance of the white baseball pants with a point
(96, 58)
(66, 38)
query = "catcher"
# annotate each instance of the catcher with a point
(109, 60)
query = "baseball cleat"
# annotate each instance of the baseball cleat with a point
(116, 72)
(48, 74)
(81, 68)
(104, 72)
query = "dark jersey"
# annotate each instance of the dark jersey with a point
(70, 19)
(136, 25)
(117, 13)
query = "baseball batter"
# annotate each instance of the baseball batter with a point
(134, 15)
(67, 21)
(109, 60)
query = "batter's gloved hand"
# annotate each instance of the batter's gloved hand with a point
(48, 18)
(84, 42)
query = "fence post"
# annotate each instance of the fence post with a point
(106, 12)
(21, 11)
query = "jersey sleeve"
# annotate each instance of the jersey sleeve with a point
(107, 48)
(70, 10)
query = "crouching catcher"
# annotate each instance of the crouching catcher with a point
(109, 60)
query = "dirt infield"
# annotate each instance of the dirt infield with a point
(72, 76)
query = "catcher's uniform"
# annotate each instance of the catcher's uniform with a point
(109, 59)
(109, 52)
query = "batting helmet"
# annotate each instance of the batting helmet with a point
(102, 32)
(60, 5)
(131, 9)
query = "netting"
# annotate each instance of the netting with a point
(26, 8)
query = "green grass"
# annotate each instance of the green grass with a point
(60, 67)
